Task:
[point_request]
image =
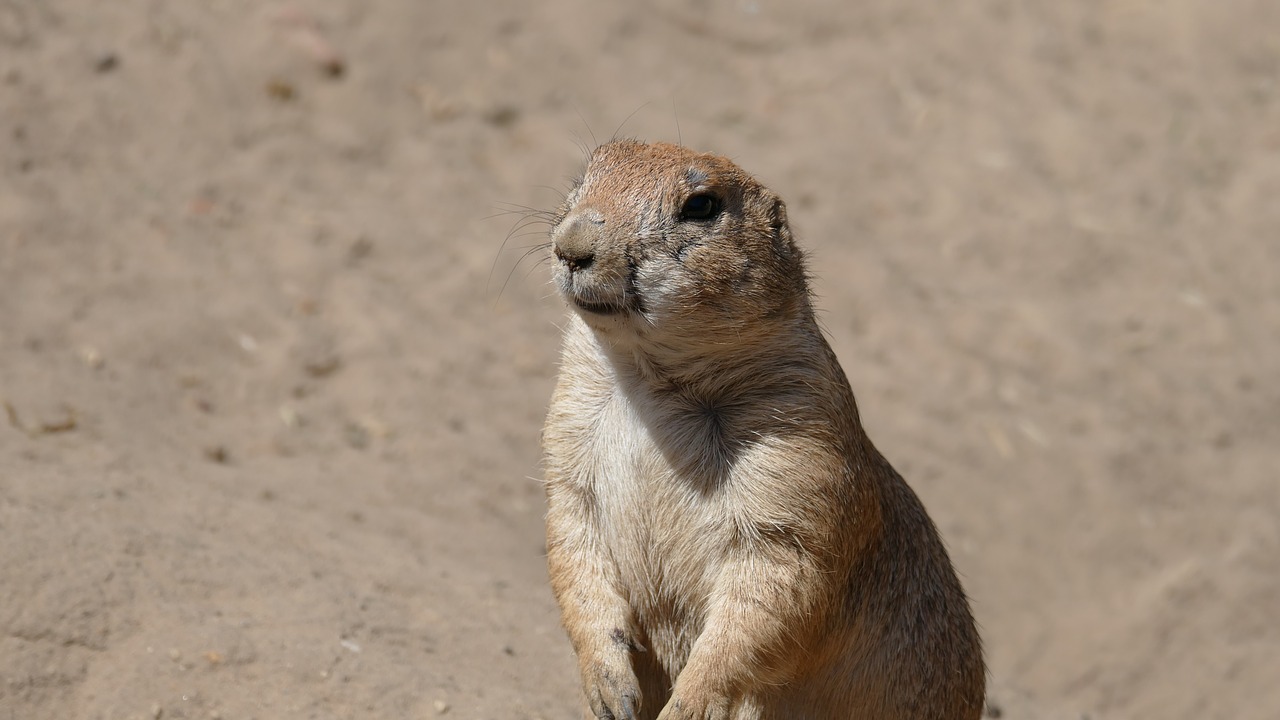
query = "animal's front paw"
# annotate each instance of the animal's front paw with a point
(611, 687)
(686, 705)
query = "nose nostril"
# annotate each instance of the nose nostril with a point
(574, 240)
(576, 262)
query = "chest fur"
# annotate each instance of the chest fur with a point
(656, 486)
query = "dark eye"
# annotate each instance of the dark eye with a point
(700, 206)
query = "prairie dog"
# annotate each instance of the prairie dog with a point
(723, 539)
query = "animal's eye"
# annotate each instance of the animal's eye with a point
(700, 206)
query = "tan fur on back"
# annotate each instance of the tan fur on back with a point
(723, 539)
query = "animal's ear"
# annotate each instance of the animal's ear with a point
(782, 242)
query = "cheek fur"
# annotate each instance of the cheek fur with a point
(692, 288)
(661, 283)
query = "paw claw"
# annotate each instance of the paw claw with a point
(613, 691)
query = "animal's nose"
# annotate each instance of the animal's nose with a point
(574, 241)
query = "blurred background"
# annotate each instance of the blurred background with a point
(272, 382)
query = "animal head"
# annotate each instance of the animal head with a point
(663, 245)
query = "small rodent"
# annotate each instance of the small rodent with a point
(722, 537)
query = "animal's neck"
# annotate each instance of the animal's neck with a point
(710, 373)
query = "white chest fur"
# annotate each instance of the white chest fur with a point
(664, 524)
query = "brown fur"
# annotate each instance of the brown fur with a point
(723, 539)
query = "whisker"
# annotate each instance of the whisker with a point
(523, 256)
(587, 125)
(536, 264)
(626, 120)
(531, 233)
(525, 221)
(676, 115)
(514, 209)
(561, 193)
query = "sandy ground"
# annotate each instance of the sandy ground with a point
(270, 428)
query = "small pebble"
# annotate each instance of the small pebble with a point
(91, 357)
(281, 90)
(106, 62)
(322, 364)
(357, 435)
(359, 250)
(502, 116)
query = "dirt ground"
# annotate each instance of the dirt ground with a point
(273, 384)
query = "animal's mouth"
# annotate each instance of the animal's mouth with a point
(594, 299)
(599, 308)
